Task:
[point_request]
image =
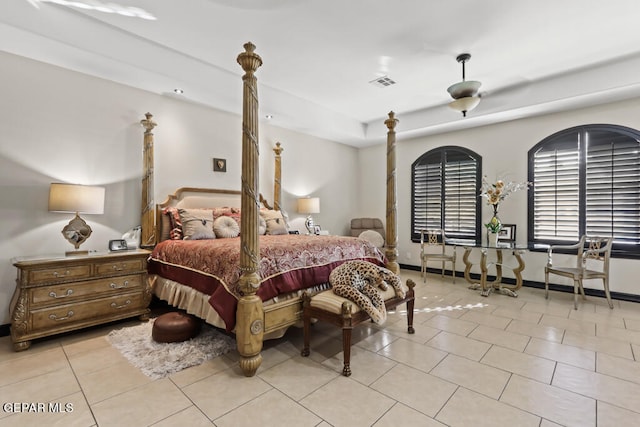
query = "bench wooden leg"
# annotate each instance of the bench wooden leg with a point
(346, 349)
(410, 304)
(307, 335)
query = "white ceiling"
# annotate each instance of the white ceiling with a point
(319, 56)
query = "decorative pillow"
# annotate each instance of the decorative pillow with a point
(275, 222)
(262, 227)
(175, 232)
(165, 226)
(197, 224)
(232, 212)
(285, 215)
(372, 237)
(225, 226)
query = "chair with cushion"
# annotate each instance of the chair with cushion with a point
(373, 237)
(592, 262)
(358, 225)
(433, 248)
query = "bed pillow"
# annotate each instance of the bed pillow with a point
(373, 237)
(262, 227)
(197, 224)
(165, 226)
(226, 211)
(225, 227)
(175, 224)
(275, 222)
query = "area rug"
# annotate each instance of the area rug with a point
(159, 360)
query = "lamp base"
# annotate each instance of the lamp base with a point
(75, 253)
(311, 227)
(76, 233)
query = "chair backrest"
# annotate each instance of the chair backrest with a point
(594, 249)
(358, 225)
(432, 238)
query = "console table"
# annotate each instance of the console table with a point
(497, 285)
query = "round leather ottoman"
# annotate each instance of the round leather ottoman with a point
(175, 327)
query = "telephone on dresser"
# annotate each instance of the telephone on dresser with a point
(132, 237)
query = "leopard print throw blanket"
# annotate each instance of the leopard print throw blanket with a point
(359, 281)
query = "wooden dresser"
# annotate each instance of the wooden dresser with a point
(60, 294)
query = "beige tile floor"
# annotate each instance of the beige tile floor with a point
(474, 361)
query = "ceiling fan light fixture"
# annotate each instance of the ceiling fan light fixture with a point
(465, 104)
(465, 93)
(464, 89)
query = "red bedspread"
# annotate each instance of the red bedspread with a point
(287, 263)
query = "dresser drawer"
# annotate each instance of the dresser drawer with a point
(73, 272)
(53, 317)
(120, 267)
(59, 294)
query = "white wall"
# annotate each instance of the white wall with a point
(503, 148)
(61, 126)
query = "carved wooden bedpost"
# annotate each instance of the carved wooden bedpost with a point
(391, 251)
(148, 237)
(250, 315)
(277, 186)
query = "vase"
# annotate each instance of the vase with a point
(492, 239)
(494, 222)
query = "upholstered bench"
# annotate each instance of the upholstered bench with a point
(174, 327)
(343, 313)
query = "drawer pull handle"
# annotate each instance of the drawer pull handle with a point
(56, 274)
(59, 319)
(115, 286)
(68, 293)
(117, 268)
(116, 306)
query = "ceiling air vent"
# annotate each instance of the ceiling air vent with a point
(383, 81)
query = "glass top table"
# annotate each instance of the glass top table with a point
(486, 287)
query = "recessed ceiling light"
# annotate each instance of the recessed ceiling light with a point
(178, 91)
(269, 116)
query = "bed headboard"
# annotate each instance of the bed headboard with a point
(190, 197)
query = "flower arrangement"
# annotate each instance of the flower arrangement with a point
(495, 193)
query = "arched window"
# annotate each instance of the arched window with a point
(586, 180)
(444, 193)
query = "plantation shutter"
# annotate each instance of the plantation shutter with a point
(460, 195)
(556, 192)
(613, 187)
(445, 193)
(586, 180)
(427, 194)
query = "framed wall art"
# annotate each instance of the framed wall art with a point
(507, 233)
(219, 165)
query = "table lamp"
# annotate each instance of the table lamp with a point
(79, 199)
(309, 205)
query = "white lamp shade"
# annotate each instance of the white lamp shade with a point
(464, 89)
(309, 205)
(76, 198)
(465, 104)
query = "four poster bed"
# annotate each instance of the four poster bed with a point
(250, 284)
